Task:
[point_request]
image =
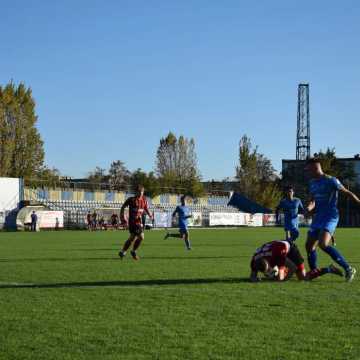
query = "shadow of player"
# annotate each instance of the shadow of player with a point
(125, 283)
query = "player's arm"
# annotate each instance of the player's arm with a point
(301, 208)
(310, 207)
(254, 276)
(175, 211)
(254, 272)
(279, 258)
(349, 194)
(277, 214)
(282, 274)
(148, 211)
(122, 209)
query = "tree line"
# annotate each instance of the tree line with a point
(21, 147)
(175, 171)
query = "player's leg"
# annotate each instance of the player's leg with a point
(294, 234)
(127, 244)
(297, 261)
(186, 238)
(333, 241)
(325, 243)
(287, 235)
(331, 269)
(290, 268)
(295, 256)
(139, 239)
(311, 244)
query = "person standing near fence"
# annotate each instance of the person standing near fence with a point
(34, 219)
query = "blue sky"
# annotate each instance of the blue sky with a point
(112, 77)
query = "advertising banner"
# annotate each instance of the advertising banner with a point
(162, 219)
(226, 219)
(301, 218)
(253, 219)
(269, 220)
(196, 219)
(51, 219)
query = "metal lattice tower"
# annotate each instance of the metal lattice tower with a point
(303, 123)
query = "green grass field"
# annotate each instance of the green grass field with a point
(66, 295)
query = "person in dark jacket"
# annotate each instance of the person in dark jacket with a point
(34, 219)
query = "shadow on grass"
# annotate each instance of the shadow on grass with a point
(96, 249)
(125, 283)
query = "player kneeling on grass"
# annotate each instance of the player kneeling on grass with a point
(183, 213)
(137, 206)
(278, 260)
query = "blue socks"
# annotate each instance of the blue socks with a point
(337, 257)
(312, 259)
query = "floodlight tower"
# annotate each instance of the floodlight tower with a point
(303, 123)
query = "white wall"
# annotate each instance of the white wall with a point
(10, 195)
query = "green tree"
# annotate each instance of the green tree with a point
(46, 177)
(21, 147)
(176, 165)
(332, 166)
(256, 176)
(194, 187)
(97, 176)
(148, 180)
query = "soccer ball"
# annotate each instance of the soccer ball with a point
(273, 273)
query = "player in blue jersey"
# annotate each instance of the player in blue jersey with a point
(324, 191)
(183, 213)
(290, 206)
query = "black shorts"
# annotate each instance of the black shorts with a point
(136, 229)
(294, 255)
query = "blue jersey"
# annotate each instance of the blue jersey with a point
(183, 213)
(291, 211)
(324, 192)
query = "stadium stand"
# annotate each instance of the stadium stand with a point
(76, 204)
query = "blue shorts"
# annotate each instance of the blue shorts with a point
(291, 224)
(183, 230)
(328, 224)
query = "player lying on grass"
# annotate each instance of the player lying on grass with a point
(324, 192)
(137, 206)
(183, 213)
(279, 259)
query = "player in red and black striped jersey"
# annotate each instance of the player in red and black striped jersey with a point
(137, 206)
(284, 255)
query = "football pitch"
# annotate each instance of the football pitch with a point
(67, 295)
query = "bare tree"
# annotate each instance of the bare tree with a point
(119, 175)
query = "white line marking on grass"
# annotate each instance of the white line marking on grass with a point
(16, 284)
